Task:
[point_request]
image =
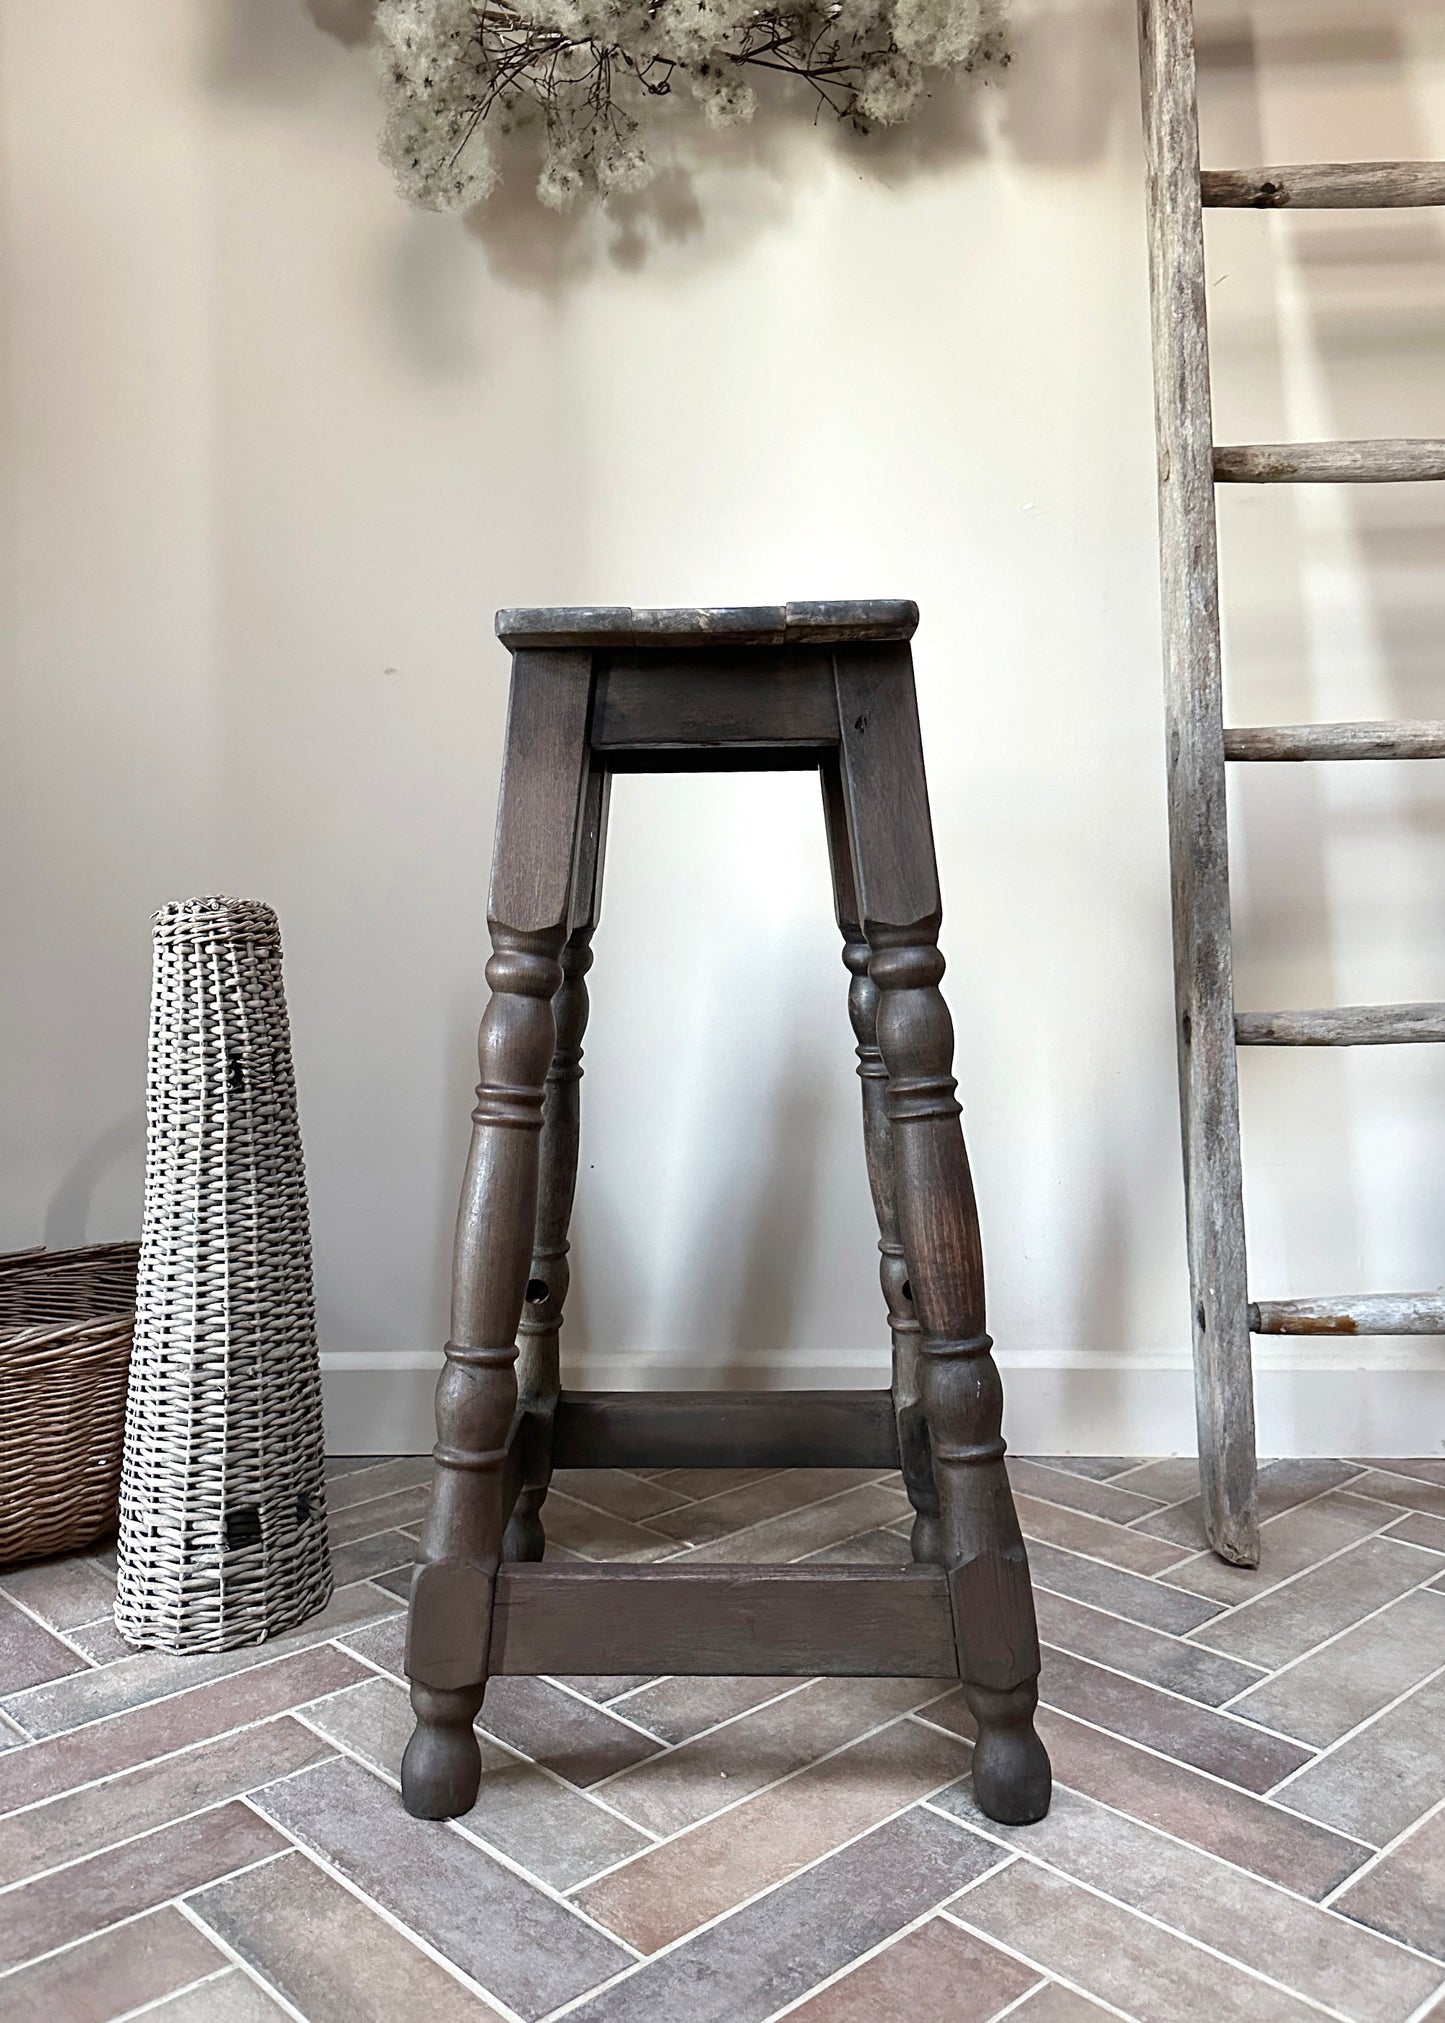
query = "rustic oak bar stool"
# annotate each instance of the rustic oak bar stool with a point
(596, 692)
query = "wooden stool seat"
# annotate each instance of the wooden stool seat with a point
(596, 692)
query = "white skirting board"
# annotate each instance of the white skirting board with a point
(1380, 1398)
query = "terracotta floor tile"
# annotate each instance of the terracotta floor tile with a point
(690, 1783)
(1133, 1549)
(63, 1592)
(1099, 1467)
(700, 1483)
(100, 1641)
(1291, 1620)
(617, 1491)
(364, 1558)
(1116, 1501)
(579, 1741)
(1326, 1694)
(1183, 1700)
(81, 1822)
(1123, 1594)
(521, 1945)
(43, 1769)
(1402, 1490)
(380, 1477)
(89, 1695)
(1314, 1951)
(1420, 1529)
(1298, 1539)
(328, 1953)
(1151, 1655)
(938, 1969)
(601, 1688)
(676, 1887)
(778, 1540)
(381, 1513)
(1404, 1894)
(1379, 1780)
(71, 1904)
(881, 1547)
(777, 1948)
(1428, 1468)
(347, 1464)
(111, 1973)
(232, 1997)
(1173, 1480)
(1117, 1956)
(29, 1655)
(1226, 1748)
(380, 1642)
(1216, 1817)
(676, 1708)
(545, 1826)
(1054, 2003)
(754, 1502)
(1282, 1484)
(597, 1535)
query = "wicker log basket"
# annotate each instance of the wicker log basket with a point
(223, 1505)
(65, 1341)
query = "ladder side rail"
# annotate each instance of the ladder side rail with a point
(1198, 838)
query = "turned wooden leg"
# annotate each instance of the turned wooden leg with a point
(983, 1549)
(878, 1152)
(538, 1376)
(449, 1626)
(962, 1399)
(927, 1537)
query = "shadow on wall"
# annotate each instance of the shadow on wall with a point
(1055, 109)
(67, 1214)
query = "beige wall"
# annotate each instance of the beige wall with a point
(275, 447)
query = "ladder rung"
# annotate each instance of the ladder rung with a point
(1372, 1313)
(1409, 460)
(1423, 738)
(1326, 186)
(1346, 1025)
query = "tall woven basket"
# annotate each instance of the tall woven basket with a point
(222, 1496)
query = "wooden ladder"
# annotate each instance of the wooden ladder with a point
(1208, 1029)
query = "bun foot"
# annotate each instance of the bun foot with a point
(442, 1767)
(1012, 1780)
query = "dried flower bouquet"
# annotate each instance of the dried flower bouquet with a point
(589, 75)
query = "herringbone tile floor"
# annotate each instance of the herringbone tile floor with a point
(1249, 1819)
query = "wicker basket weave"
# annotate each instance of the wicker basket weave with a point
(222, 1505)
(65, 1332)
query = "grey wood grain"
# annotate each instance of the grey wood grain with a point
(1346, 1025)
(1326, 186)
(854, 1621)
(1386, 461)
(1380, 1313)
(1419, 738)
(606, 625)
